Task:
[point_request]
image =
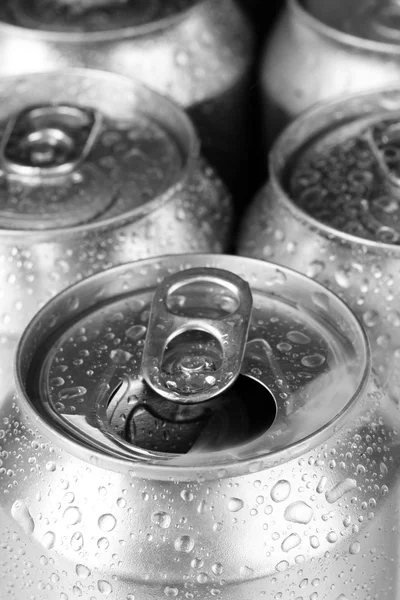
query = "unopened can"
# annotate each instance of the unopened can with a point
(198, 52)
(332, 211)
(197, 427)
(96, 170)
(325, 48)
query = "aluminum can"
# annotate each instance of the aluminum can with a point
(198, 426)
(331, 211)
(96, 170)
(198, 52)
(325, 48)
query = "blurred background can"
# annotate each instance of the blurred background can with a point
(331, 211)
(96, 170)
(286, 483)
(198, 52)
(324, 48)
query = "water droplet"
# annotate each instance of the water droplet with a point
(321, 485)
(104, 587)
(82, 571)
(48, 540)
(370, 318)
(235, 504)
(186, 495)
(313, 360)
(355, 548)
(342, 279)
(136, 332)
(340, 489)
(315, 268)
(282, 566)
(331, 537)
(299, 512)
(103, 543)
(171, 592)
(314, 542)
(72, 515)
(77, 541)
(20, 512)
(292, 541)
(184, 544)
(107, 522)
(51, 466)
(281, 491)
(161, 519)
(217, 569)
(298, 338)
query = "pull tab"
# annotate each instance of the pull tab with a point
(387, 154)
(48, 141)
(197, 334)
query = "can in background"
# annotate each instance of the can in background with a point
(325, 48)
(124, 475)
(197, 52)
(331, 211)
(96, 170)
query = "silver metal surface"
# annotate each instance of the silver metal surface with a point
(197, 52)
(255, 507)
(130, 184)
(331, 211)
(321, 49)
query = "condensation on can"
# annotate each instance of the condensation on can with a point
(96, 170)
(197, 52)
(331, 211)
(322, 49)
(288, 484)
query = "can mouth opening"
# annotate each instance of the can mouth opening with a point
(146, 422)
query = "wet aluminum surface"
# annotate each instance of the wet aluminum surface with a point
(141, 190)
(199, 53)
(331, 212)
(319, 50)
(245, 521)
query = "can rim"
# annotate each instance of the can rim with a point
(190, 156)
(104, 35)
(275, 176)
(346, 39)
(176, 472)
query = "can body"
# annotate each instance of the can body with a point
(317, 515)
(200, 56)
(192, 214)
(363, 271)
(307, 60)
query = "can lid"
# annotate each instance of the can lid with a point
(376, 20)
(347, 176)
(64, 164)
(88, 15)
(240, 382)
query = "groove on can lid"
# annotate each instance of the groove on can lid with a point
(211, 301)
(375, 20)
(80, 364)
(88, 15)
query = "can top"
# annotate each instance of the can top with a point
(72, 155)
(346, 172)
(373, 20)
(274, 375)
(76, 16)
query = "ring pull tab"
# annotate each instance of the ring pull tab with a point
(197, 334)
(48, 141)
(387, 153)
